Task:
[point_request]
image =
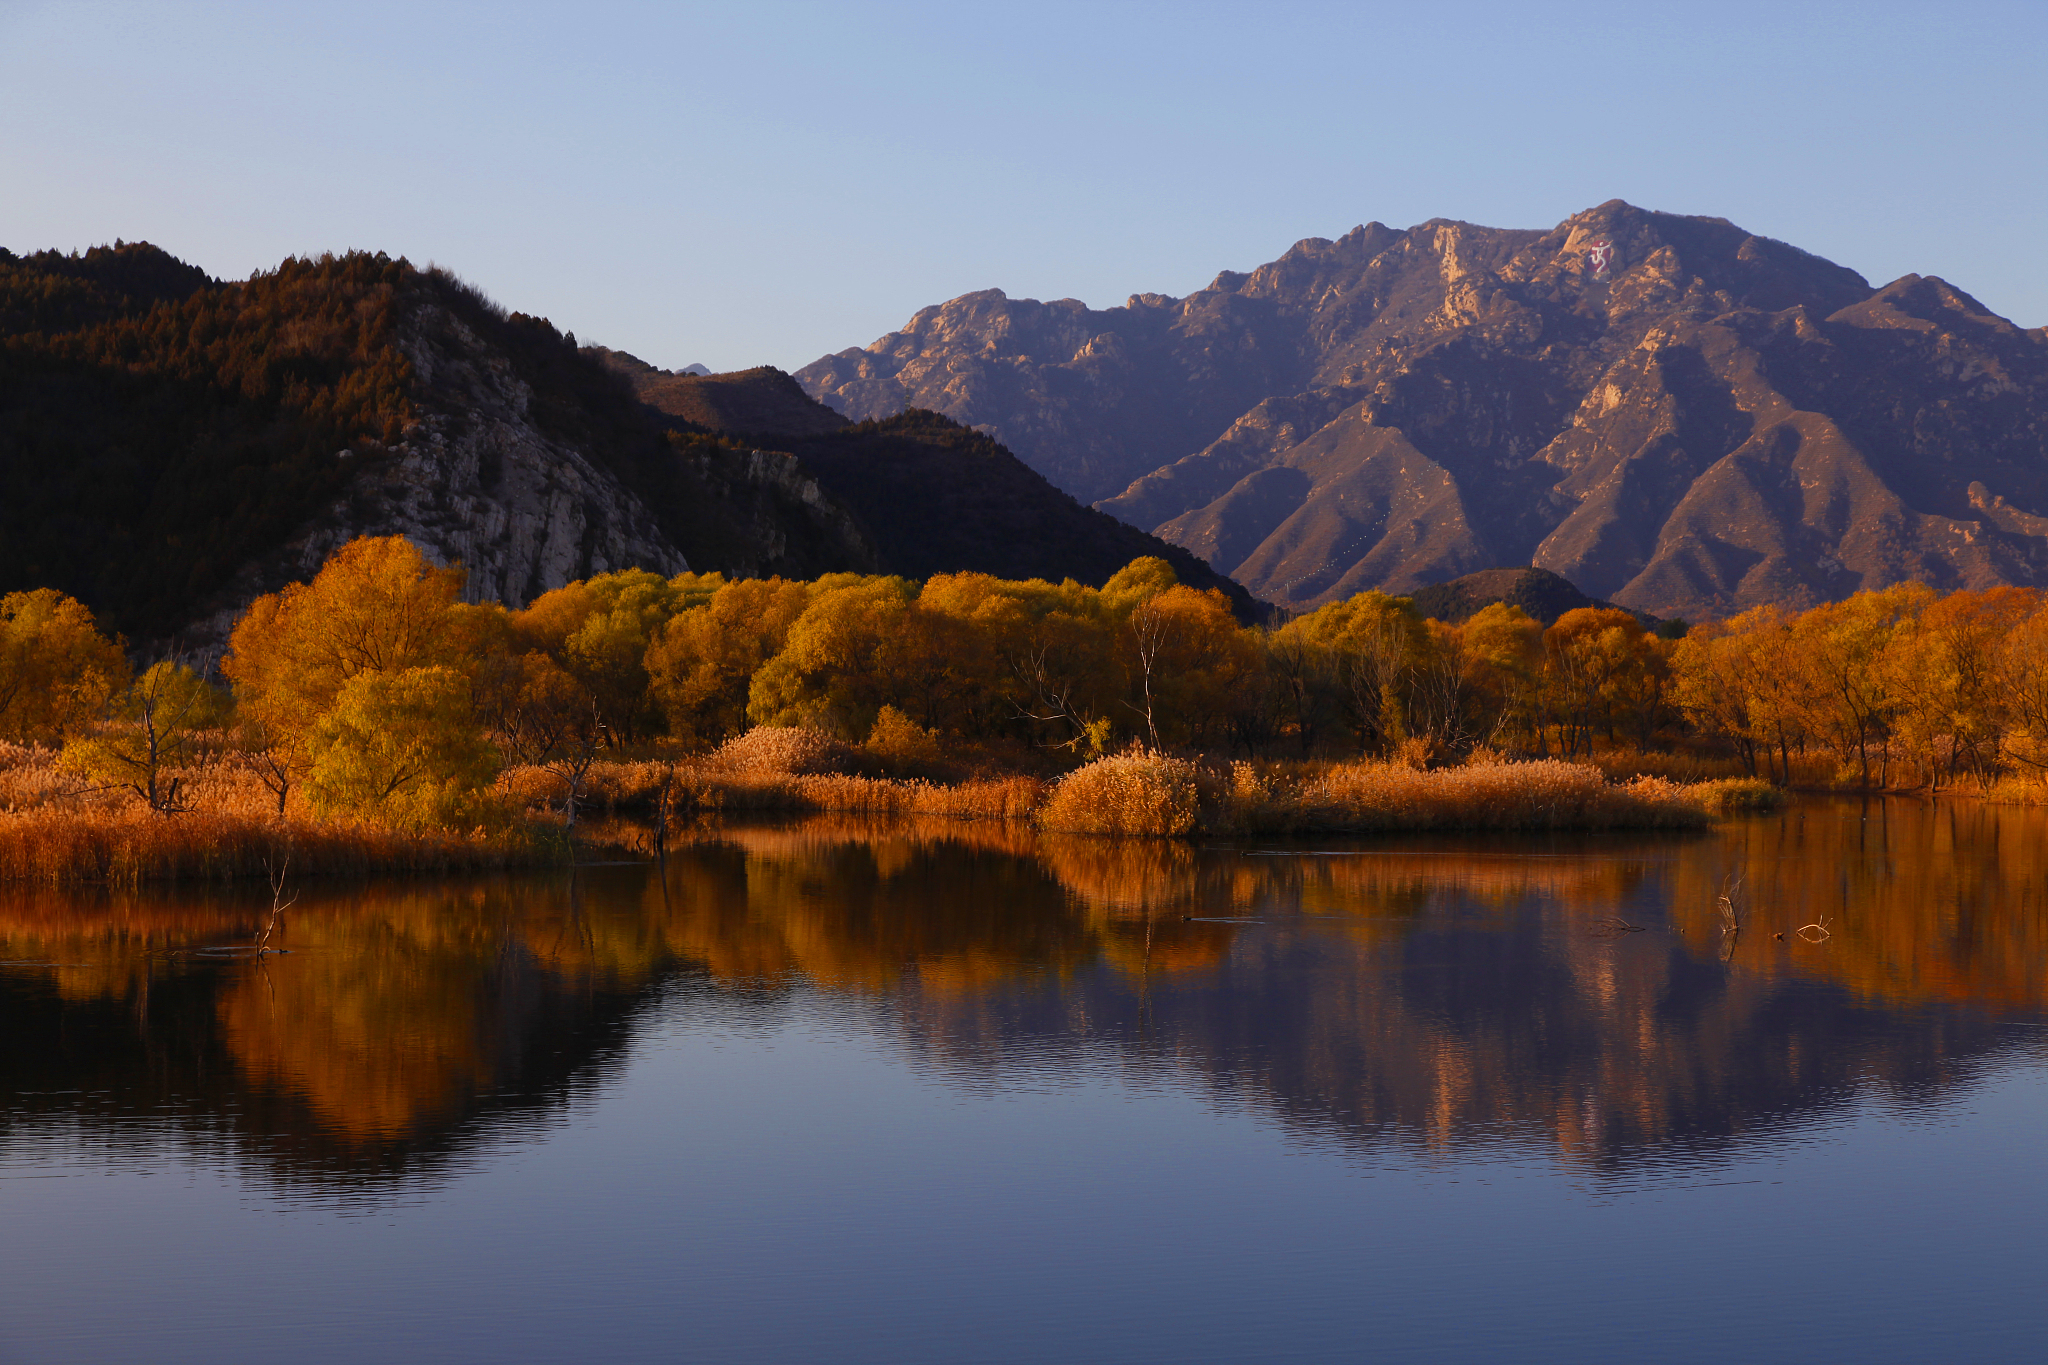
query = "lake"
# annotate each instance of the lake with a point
(832, 1091)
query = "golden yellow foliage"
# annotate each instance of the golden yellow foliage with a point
(901, 746)
(851, 650)
(702, 662)
(56, 669)
(150, 735)
(376, 606)
(403, 747)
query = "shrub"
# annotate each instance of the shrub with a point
(783, 751)
(1139, 792)
(1736, 795)
(901, 746)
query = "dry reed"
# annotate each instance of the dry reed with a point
(1622, 764)
(1739, 795)
(1150, 794)
(1139, 792)
(56, 829)
(2028, 790)
(780, 771)
(1542, 795)
(133, 845)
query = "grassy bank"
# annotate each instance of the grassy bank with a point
(1150, 794)
(127, 847)
(53, 830)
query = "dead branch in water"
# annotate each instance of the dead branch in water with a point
(1613, 926)
(1731, 905)
(1815, 933)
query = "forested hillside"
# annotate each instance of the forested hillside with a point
(172, 446)
(158, 428)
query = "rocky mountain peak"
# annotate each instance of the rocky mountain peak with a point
(1678, 414)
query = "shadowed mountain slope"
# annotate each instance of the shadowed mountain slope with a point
(171, 446)
(1541, 595)
(1711, 421)
(931, 495)
(762, 401)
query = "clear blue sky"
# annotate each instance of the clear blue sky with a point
(762, 183)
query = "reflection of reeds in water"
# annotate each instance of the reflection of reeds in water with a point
(1922, 900)
(401, 1004)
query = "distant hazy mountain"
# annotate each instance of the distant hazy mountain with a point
(1711, 421)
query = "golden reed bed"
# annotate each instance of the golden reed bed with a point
(53, 831)
(1155, 794)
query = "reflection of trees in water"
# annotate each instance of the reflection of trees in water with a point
(399, 1018)
(1440, 993)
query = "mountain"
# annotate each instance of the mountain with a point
(1539, 593)
(758, 402)
(172, 445)
(1670, 412)
(931, 495)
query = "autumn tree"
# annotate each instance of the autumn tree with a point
(844, 659)
(403, 747)
(1186, 661)
(1502, 651)
(2019, 665)
(376, 606)
(1044, 657)
(57, 671)
(1369, 646)
(360, 685)
(1845, 694)
(600, 629)
(1602, 669)
(702, 662)
(150, 735)
(1943, 673)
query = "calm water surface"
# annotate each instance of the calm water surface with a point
(833, 1092)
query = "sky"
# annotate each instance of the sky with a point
(764, 183)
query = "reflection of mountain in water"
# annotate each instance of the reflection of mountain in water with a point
(1450, 994)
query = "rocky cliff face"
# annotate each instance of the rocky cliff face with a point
(486, 479)
(1674, 414)
(474, 480)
